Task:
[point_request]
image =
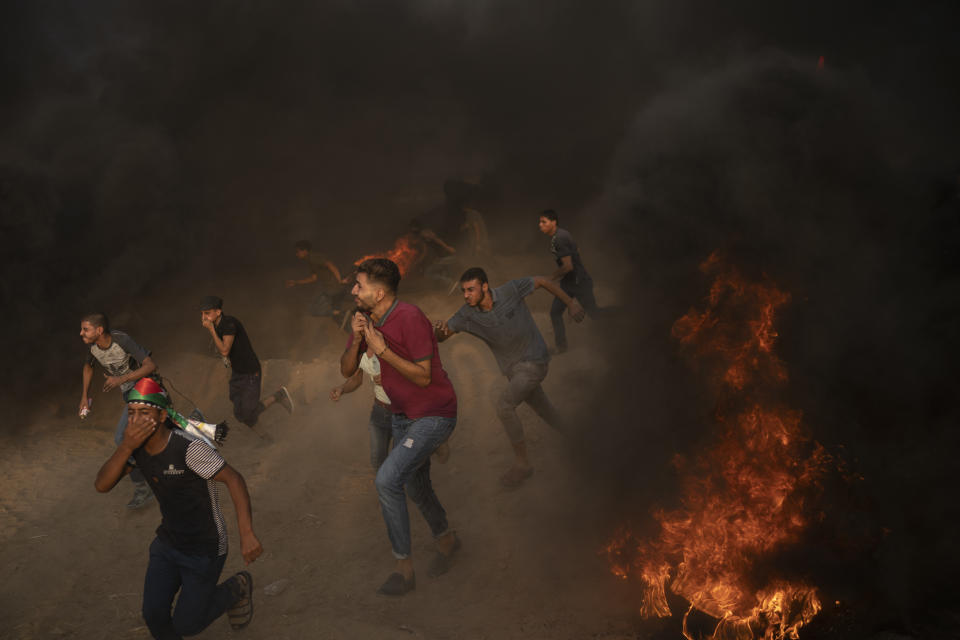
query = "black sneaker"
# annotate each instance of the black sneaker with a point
(284, 399)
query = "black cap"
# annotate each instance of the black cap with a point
(211, 302)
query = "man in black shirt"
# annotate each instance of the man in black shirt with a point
(329, 295)
(572, 275)
(190, 548)
(232, 343)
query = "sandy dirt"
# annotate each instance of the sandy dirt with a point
(529, 567)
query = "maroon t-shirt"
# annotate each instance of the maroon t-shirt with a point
(409, 334)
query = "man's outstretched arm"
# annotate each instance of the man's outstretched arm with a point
(574, 308)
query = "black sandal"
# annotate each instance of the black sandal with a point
(241, 613)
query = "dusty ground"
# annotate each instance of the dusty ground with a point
(74, 559)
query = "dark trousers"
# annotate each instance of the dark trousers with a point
(245, 396)
(201, 600)
(583, 292)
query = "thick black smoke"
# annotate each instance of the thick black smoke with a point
(819, 182)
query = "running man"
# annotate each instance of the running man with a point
(124, 362)
(190, 547)
(424, 408)
(234, 346)
(570, 273)
(501, 319)
(326, 279)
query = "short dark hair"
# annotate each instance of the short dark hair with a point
(303, 245)
(382, 271)
(211, 302)
(475, 273)
(549, 214)
(97, 319)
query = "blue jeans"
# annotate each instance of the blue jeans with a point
(381, 428)
(201, 600)
(408, 468)
(136, 475)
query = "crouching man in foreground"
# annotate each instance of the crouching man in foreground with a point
(189, 551)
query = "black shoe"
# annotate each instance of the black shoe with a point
(397, 585)
(241, 612)
(441, 563)
(284, 399)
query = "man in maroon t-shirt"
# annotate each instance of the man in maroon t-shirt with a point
(424, 409)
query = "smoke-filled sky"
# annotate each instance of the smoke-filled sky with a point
(141, 142)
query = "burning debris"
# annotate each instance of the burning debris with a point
(403, 253)
(749, 495)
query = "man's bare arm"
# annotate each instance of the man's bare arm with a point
(573, 307)
(223, 344)
(113, 469)
(147, 367)
(310, 278)
(566, 266)
(416, 372)
(249, 544)
(442, 331)
(117, 466)
(350, 385)
(333, 269)
(85, 392)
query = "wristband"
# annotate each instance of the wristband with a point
(380, 355)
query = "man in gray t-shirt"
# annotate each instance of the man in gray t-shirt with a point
(124, 362)
(501, 319)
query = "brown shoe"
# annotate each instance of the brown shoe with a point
(515, 477)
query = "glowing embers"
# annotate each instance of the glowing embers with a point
(403, 253)
(747, 496)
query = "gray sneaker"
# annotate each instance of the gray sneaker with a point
(141, 495)
(284, 399)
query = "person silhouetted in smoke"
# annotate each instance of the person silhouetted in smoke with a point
(434, 256)
(190, 547)
(571, 274)
(424, 412)
(234, 346)
(501, 319)
(325, 278)
(125, 362)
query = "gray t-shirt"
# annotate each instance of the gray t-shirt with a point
(120, 358)
(508, 328)
(563, 245)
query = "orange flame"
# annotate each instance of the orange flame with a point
(744, 498)
(404, 254)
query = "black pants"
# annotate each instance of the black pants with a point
(201, 599)
(245, 396)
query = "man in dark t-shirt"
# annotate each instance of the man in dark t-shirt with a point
(329, 291)
(234, 346)
(424, 407)
(570, 273)
(501, 319)
(190, 547)
(124, 362)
